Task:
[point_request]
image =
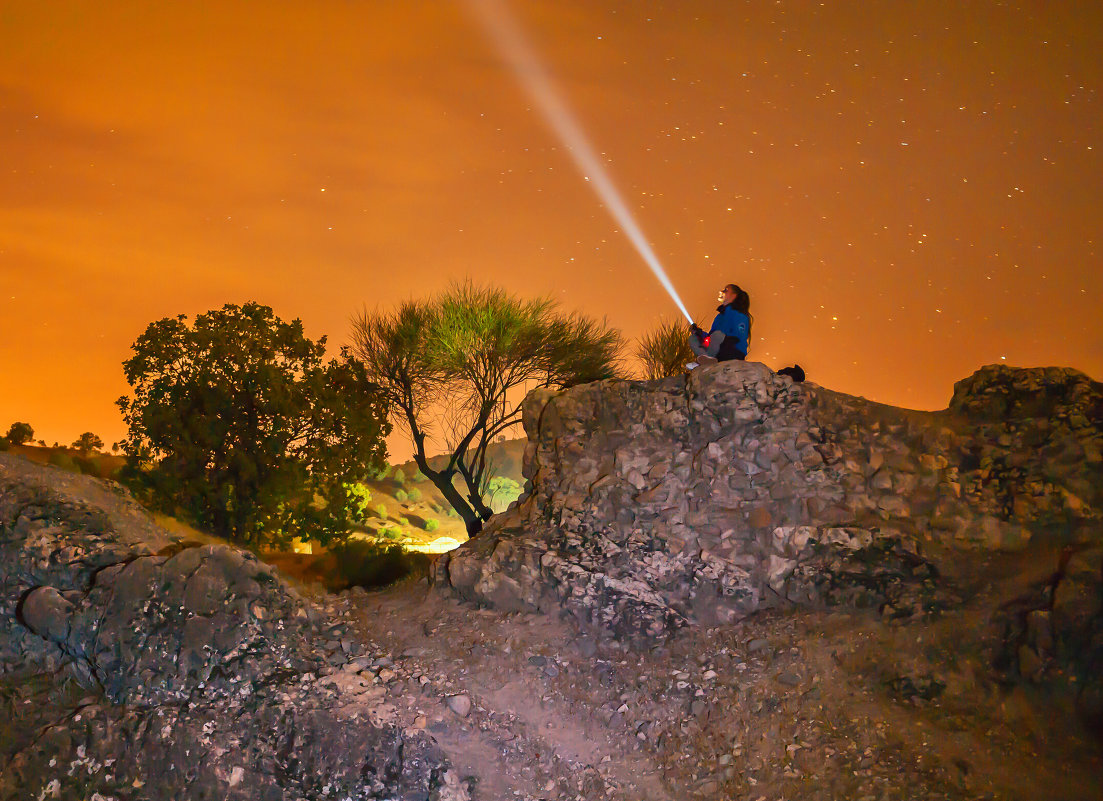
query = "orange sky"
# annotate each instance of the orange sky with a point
(908, 191)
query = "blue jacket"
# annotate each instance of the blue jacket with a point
(735, 325)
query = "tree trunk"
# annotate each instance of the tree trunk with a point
(442, 480)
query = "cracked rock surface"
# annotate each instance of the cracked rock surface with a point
(176, 672)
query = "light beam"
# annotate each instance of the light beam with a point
(503, 29)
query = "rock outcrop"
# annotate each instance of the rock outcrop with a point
(700, 499)
(201, 672)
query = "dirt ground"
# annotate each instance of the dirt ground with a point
(788, 704)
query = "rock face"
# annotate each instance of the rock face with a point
(201, 669)
(700, 499)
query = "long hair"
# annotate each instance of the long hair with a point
(742, 303)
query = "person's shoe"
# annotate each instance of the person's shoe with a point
(706, 359)
(692, 366)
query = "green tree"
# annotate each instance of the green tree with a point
(455, 367)
(87, 442)
(19, 433)
(502, 490)
(238, 422)
(664, 350)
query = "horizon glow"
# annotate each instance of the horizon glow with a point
(503, 29)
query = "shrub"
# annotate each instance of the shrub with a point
(399, 477)
(390, 532)
(664, 350)
(4, 444)
(401, 496)
(366, 564)
(432, 524)
(381, 510)
(419, 476)
(403, 521)
(90, 467)
(414, 495)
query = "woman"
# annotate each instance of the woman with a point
(730, 335)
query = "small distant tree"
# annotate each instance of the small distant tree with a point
(502, 490)
(20, 433)
(87, 442)
(456, 366)
(664, 350)
(238, 422)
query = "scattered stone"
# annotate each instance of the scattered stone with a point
(459, 704)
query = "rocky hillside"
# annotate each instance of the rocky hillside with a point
(720, 586)
(195, 672)
(700, 500)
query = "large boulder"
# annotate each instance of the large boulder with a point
(700, 499)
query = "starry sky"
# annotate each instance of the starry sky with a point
(907, 190)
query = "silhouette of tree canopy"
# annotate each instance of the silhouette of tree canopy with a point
(87, 442)
(237, 422)
(19, 433)
(454, 366)
(664, 350)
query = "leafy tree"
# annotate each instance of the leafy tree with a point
(503, 490)
(664, 350)
(454, 368)
(87, 442)
(20, 433)
(359, 498)
(238, 422)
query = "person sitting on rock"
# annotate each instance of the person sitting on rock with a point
(730, 335)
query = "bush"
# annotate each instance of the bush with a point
(401, 496)
(366, 564)
(390, 532)
(381, 510)
(403, 521)
(664, 350)
(399, 477)
(419, 476)
(4, 444)
(432, 524)
(414, 495)
(90, 467)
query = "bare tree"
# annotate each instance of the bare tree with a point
(455, 367)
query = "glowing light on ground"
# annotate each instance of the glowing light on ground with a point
(506, 33)
(439, 545)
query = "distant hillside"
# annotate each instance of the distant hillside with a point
(505, 458)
